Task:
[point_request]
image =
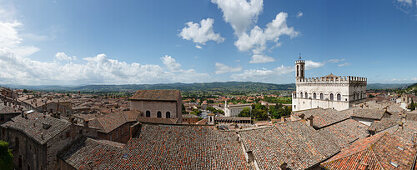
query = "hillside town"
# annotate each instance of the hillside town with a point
(329, 127)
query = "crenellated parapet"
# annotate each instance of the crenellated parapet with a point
(333, 79)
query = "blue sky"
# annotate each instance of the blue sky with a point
(120, 42)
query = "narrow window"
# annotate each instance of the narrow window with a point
(301, 94)
(148, 113)
(168, 115)
(331, 96)
(159, 114)
(306, 95)
(321, 96)
(314, 96)
(339, 97)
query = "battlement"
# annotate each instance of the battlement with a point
(299, 61)
(335, 79)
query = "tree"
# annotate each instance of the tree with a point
(6, 156)
(412, 105)
(245, 112)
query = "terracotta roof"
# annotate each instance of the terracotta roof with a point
(158, 120)
(324, 117)
(87, 153)
(375, 114)
(108, 122)
(162, 147)
(131, 115)
(165, 95)
(346, 132)
(37, 126)
(295, 143)
(382, 151)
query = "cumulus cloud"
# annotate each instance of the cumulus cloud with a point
(299, 14)
(200, 33)
(258, 37)
(262, 74)
(261, 59)
(222, 68)
(18, 68)
(240, 14)
(64, 57)
(312, 64)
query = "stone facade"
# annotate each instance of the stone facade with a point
(158, 104)
(234, 110)
(331, 91)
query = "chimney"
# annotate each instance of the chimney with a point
(309, 121)
(283, 166)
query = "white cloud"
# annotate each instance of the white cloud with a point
(240, 14)
(336, 60)
(171, 63)
(222, 68)
(257, 39)
(311, 64)
(261, 59)
(408, 2)
(64, 57)
(200, 33)
(300, 14)
(262, 74)
(197, 46)
(18, 68)
(343, 64)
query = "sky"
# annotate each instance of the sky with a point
(79, 42)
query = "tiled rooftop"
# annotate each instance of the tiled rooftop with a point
(34, 126)
(324, 117)
(294, 143)
(346, 132)
(166, 95)
(382, 151)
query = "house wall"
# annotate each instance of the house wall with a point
(154, 106)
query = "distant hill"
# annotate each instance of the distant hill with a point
(386, 86)
(214, 87)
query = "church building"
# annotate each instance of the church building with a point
(336, 92)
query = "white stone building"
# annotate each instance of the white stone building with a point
(330, 91)
(234, 109)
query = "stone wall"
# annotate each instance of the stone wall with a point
(154, 106)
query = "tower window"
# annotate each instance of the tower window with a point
(314, 96)
(331, 96)
(168, 115)
(148, 113)
(339, 97)
(321, 96)
(301, 94)
(306, 95)
(159, 114)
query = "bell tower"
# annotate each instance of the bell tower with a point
(299, 68)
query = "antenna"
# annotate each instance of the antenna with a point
(299, 56)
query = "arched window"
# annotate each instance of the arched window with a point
(148, 113)
(295, 95)
(301, 94)
(321, 96)
(168, 115)
(314, 96)
(339, 97)
(159, 114)
(331, 96)
(306, 95)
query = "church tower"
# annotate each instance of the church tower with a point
(300, 69)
